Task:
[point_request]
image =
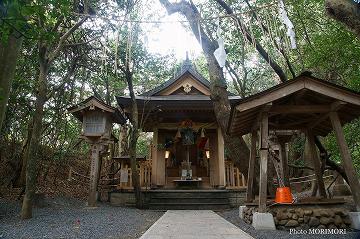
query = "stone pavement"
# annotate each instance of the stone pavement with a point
(197, 224)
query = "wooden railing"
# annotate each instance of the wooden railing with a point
(234, 178)
(125, 181)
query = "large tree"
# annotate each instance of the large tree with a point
(345, 11)
(236, 146)
(10, 44)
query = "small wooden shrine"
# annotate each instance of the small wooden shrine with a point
(187, 147)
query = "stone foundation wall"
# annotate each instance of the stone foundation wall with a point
(305, 217)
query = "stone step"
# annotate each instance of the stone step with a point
(188, 199)
(189, 206)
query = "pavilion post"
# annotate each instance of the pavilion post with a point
(284, 163)
(251, 171)
(346, 159)
(94, 174)
(316, 161)
(264, 129)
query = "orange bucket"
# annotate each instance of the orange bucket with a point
(283, 195)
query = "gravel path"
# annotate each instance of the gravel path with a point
(233, 217)
(69, 218)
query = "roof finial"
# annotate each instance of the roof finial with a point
(187, 56)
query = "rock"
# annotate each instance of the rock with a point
(276, 220)
(301, 220)
(331, 213)
(324, 213)
(338, 211)
(306, 219)
(332, 226)
(316, 213)
(282, 222)
(308, 212)
(300, 212)
(292, 223)
(289, 215)
(295, 216)
(281, 216)
(321, 227)
(326, 220)
(313, 222)
(347, 220)
(337, 220)
(292, 210)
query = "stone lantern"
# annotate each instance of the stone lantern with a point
(97, 119)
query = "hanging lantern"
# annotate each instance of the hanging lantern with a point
(167, 154)
(207, 153)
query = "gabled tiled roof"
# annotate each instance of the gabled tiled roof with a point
(187, 68)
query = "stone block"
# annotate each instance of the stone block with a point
(355, 220)
(313, 222)
(263, 221)
(242, 211)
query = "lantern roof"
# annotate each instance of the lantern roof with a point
(95, 104)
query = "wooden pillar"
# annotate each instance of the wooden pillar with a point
(316, 162)
(160, 162)
(284, 163)
(251, 171)
(264, 129)
(346, 159)
(154, 154)
(221, 158)
(94, 174)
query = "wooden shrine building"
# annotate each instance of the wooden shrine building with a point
(187, 146)
(305, 104)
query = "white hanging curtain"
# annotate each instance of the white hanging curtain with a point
(290, 27)
(220, 53)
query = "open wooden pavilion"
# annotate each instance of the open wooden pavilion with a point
(313, 106)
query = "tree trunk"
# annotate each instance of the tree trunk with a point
(236, 146)
(9, 51)
(134, 135)
(345, 11)
(32, 152)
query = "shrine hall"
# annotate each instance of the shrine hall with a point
(187, 149)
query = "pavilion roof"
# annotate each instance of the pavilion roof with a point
(298, 104)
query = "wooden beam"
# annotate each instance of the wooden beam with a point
(316, 161)
(262, 99)
(251, 172)
(335, 106)
(299, 109)
(257, 122)
(264, 129)
(346, 159)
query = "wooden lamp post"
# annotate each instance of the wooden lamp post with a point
(97, 119)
